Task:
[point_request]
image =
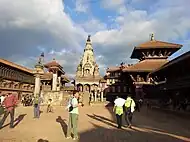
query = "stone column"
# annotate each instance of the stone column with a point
(59, 81)
(54, 83)
(37, 85)
(102, 96)
(95, 96)
(92, 97)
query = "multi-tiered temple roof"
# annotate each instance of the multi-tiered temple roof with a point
(152, 54)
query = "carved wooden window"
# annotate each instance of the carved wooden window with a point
(113, 88)
(119, 89)
(129, 90)
(124, 89)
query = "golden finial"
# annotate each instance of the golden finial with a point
(152, 37)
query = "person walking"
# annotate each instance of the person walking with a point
(9, 103)
(49, 107)
(73, 116)
(36, 107)
(129, 109)
(118, 109)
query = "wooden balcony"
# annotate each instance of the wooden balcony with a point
(16, 89)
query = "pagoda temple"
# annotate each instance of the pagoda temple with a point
(50, 80)
(151, 55)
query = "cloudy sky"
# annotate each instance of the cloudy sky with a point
(60, 28)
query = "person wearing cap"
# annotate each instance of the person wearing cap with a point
(9, 103)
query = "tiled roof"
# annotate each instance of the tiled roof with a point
(16, 66)
(65, 78)
(52, 64)
(47, 76)
(116, 68)
(157, 44)
(146, 65)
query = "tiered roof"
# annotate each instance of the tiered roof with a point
(147, 65)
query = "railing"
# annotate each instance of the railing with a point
(16, 89)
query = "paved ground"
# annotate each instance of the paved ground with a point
(96, 124)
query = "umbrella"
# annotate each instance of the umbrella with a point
(119, 102)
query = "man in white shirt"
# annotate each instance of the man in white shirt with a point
(73, 116)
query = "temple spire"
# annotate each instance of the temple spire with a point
(88, 39)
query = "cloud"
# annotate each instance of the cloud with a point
(28, 28)
(82, 5)
(117, 5)
(93, 25)
(169, 21)
(28, 25)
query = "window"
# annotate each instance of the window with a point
(113, 88)
(124, 89)
(108, 89)
(119, 89)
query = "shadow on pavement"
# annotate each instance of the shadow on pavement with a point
(41, 140)
(144, 130)
(17, 120)
(63, 124)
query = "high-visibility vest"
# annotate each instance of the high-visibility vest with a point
(128, 102)
(119, 110)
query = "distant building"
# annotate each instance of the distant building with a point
(16, 79)
(50, 84)
(152, 55)
(172, 80)
(87, 75)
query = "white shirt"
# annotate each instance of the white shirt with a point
(2, 99)
(74, 102)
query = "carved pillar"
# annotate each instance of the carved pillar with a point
(54, 84)
(95, 96)
(59, 82)
(92, 97)
(37, 85)
(102, 96)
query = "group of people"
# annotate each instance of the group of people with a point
(126, 107)
(121, 107)
(27, 100)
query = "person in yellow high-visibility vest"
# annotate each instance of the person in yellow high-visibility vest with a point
(118, 109)
(129, 109)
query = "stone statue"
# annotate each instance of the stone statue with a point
(152, 37)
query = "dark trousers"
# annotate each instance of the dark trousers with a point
(36, 111)
(138, 105)
(11, 112)
(119, 120)
(128, 118)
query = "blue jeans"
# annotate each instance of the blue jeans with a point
(36, 111)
